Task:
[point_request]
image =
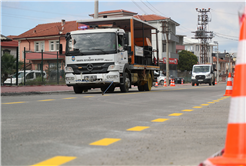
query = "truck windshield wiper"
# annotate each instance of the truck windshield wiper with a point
(98, 49)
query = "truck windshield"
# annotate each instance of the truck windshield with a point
(92, 43)
(201, 69)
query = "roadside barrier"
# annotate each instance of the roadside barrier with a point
(228, 91)
(172, 82)
(165, 83)
(156, 83)
(235, 145)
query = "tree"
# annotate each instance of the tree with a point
(8, 65)
(186, 60)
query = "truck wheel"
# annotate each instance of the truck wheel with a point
(193, 84)
(162, 82)
(214, 82)
(210, 83)
(148, 85)
(126, 83)
(111, 89)
(140, 88)
(77, 89)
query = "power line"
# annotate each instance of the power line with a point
(138, 7)
(16, 16)
(147, 6)
(156, 9)
(224, 12)
(225, 37)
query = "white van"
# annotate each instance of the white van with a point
(203, 74)
(30, 75)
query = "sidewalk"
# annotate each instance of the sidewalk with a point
(19, 90)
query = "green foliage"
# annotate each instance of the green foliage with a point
(8, 65)
(186, 60)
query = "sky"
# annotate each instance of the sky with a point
(18, 16)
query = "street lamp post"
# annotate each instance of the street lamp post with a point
(217, 60)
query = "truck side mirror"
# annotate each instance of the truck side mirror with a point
(126, 39)
(60, 49)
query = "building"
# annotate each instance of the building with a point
(9, 47)
(193, 45)
(47, 38)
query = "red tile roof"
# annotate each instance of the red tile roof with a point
(114, 11)
(49, 29)
(220, 60)
(9, 43)
(150, 17)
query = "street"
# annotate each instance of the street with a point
(181, 125)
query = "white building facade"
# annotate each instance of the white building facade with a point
(194, 46)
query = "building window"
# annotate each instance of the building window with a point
(54, 45)
(197, 47)
(38, 46)
(6, 51)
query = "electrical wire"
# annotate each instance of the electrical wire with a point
(225, 37)
(224, 12)
(138, 7)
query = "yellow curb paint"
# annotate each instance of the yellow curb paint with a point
(159, 120)
(204, 104)
(138, 128)
(47, 100)
(197, 107)
(105, 141)
(70, 98)
(175, 114)
(210, 102)
(14, 102)
(188, 110)
(55, 161)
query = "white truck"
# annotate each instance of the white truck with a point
(203, 74)
(109, 53)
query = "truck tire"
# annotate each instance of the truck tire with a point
(77, 89)
(148, 85)
(193, 84)
(214, 82)
(126, 83)
(210, 83)
(140, 87)
(161, 82)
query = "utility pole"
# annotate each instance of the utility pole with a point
(96, 9)
(217, 60)
(203, 34)
(166, 31)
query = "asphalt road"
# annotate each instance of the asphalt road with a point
(160, 127)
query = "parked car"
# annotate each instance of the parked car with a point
(161, 79)
(30, 75)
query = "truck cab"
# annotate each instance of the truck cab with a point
(203, 74)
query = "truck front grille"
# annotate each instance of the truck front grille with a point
(200, 77)
(90, 68)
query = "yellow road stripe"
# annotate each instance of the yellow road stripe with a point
(105, 141)
(70, 98)
(47, 100)
(188, 110)
(138, 128)
(15, 102)
(55, 161)
(159, 120)
(175, 114)
(88, 96)
(211, 102)
(197, 107)
(106, 95)
(216, 100)
(204, 104)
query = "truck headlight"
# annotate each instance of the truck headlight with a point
(111, 67)
(208, 75)
(112, 76)
(68, 69)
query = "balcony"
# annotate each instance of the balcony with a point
(171, 37)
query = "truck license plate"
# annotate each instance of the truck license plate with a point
(90, 78)
(200, 80)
